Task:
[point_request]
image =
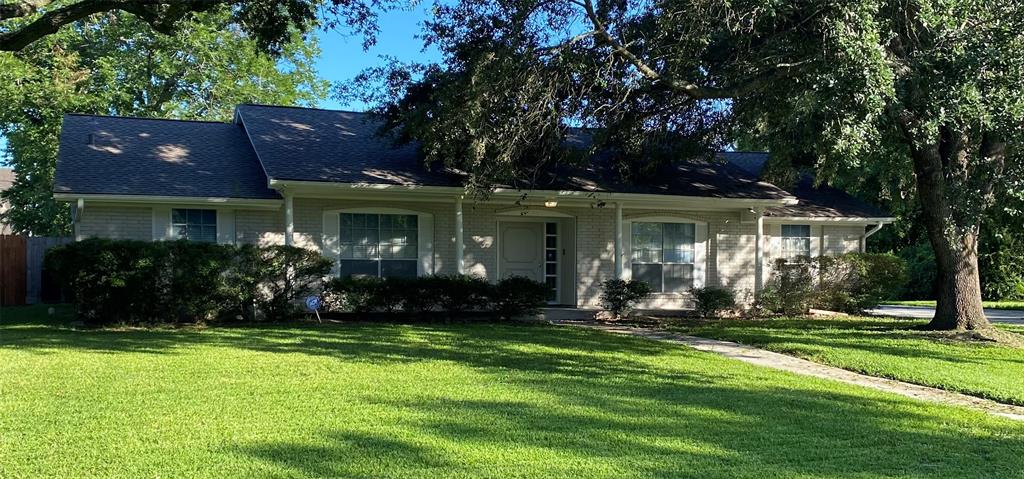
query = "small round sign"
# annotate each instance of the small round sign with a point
(313, 303)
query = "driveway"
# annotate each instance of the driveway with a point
(1004, 316)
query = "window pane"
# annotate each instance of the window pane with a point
(551, 268)
(209, 217)
(678, 278)
(358, 268)
(647, 242)
(648, 273)
(551, 228)
(551, 255)
(178, 216)
(398, 269)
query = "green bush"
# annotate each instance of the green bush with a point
(790, 290)
(518, 296)
(712, 300)
(118, 281)
(356, 294)
(849, 283)
(459, 293)
(922, 273)
(619, 297)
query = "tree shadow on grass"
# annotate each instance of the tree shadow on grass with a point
(658, 429)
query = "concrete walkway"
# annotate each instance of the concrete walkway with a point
(791, 364)
(1003, 316)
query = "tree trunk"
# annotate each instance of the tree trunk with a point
(954, 239)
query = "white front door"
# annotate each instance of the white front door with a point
(522, 250)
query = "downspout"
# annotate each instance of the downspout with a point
(864, 239)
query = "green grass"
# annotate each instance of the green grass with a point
(887, 348)
(988, 304)
(481, 400)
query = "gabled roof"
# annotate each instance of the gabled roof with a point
(307, 144)
(171, 158)
(150, 157)
(822, 201)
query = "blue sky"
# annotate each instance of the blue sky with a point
(343, 56)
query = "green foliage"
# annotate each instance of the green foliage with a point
(452, 294)
(619, 297)
(790, 290)
(712, 300)
(921, 271)
(849, 283)
(116, 65)
(518, 296)
(130, 282)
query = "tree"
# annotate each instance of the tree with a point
(113, 64)
(271, 23)
(928, 89)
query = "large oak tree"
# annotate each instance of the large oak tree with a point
(927, 89)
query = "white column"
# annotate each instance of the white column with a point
(289, 220)
(618, 240)
(759, 252)
(460, 245)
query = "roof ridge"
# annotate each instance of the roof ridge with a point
(312, 108)
(130, 117)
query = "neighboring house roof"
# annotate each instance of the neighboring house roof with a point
(813, 201)
(150, 157)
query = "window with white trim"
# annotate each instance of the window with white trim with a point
(796, 242)
(663, 255)
(194, 224)
(380, 245)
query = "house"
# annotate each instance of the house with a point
(325, 180)
(6, 180)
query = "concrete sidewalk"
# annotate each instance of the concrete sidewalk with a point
(1002, 316)
(782, 362)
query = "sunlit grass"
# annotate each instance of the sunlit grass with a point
(482, 400)
(885, 347)
(988, 304)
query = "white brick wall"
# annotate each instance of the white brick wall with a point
(116, 222)
(729, 256)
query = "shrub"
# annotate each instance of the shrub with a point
(712, 300)
(118, 281)
(854, 282)
(459, 293)
(619, 297)
(517, 296)
(790, 290)
(355, 294)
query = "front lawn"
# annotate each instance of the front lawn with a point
(374, 400)
(930, 303)
(884, 347)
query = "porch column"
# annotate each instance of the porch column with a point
(289, 220)
(460, 244)
(759, 251)
(618, 240)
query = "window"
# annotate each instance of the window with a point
(796, 242)
(194, 224)
(379, 245)
(663, 255)
(551, 260)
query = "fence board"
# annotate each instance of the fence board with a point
(12, 270)
(40, 288)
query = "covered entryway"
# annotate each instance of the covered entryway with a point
(540, 249)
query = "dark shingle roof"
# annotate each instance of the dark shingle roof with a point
(324, 145)
(820, 201)
(137, 156)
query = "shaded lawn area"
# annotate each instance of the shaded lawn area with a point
(930, 303)
(373, 400)
(884, 347)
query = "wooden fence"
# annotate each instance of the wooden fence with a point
(22, 279)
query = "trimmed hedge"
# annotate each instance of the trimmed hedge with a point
(132, 282)
(453, 295)
(619, 296)
(849, 283)
(711, 301)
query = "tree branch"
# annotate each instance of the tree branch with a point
(160, 14)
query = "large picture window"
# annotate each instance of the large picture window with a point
(663, 255)
(796, 242)
(378, 245)
(194, 224)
